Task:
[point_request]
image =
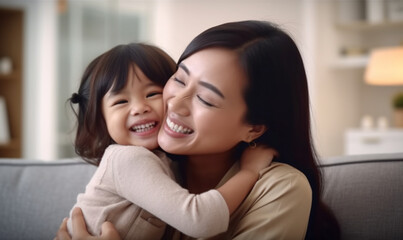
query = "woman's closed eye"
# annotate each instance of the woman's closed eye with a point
(179, 81)
(203, 101)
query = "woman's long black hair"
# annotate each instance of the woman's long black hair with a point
(277, 96)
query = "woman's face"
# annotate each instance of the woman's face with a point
(205, 107)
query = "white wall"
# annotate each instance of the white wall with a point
(177, 22)
(337, 103)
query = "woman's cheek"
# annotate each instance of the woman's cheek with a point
(168, 92)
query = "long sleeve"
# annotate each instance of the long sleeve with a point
(145, 179)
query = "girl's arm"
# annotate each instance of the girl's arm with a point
(146, 180)
(237, 188)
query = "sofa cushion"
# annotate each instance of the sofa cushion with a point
(366, 194)
(35, 196)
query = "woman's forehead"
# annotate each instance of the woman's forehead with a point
(217, 66)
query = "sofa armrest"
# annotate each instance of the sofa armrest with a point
(366, 194)
(35, 196)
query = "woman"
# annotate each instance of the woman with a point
(235, 82)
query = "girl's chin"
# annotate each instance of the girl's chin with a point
(149, 145)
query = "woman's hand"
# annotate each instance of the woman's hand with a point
(80, 229)
(257, 158)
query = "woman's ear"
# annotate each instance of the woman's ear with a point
(254, 132)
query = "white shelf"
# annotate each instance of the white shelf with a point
(357, 28)
(368, 26)
(360, 141)
(351, 62)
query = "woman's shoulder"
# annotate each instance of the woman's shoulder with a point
(279, 186)
(280, 172)
(280, 180)
(279, 204)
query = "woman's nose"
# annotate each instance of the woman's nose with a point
(179, 104)
(139, 108)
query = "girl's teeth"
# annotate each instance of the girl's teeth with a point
(144, 127)
(176, 128)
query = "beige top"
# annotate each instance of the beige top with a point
(130, 179)
(278, 206)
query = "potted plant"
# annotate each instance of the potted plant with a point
(398, 106)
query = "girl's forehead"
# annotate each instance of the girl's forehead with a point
(119, 79)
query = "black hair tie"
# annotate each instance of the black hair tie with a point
(75, 98)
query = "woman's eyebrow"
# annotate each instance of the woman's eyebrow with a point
(204, 84)
(186, 69)
(212, 88)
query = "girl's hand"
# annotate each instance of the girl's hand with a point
(257, 158)
(80, 229)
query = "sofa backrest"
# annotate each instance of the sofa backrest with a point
(35, 196)
(366, 194)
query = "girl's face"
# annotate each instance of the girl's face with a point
(205, 107)
(134, 114)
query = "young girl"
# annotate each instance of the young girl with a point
(120, 111)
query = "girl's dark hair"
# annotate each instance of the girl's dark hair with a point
(276, 96)
(110, 70)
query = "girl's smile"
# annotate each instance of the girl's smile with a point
(145, 128)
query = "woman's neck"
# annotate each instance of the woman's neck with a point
(204, 172)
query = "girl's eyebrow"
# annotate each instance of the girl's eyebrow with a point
(204, 84)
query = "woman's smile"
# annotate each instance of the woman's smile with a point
(177, 128)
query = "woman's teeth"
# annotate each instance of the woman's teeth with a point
(144, 127)
(179, 129)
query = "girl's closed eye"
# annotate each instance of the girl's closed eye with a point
(120, 101)
(153, 94)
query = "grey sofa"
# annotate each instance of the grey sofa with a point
(365, 192)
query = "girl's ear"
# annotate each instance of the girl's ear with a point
(254, 132)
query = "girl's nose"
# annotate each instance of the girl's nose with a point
(139, 108)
